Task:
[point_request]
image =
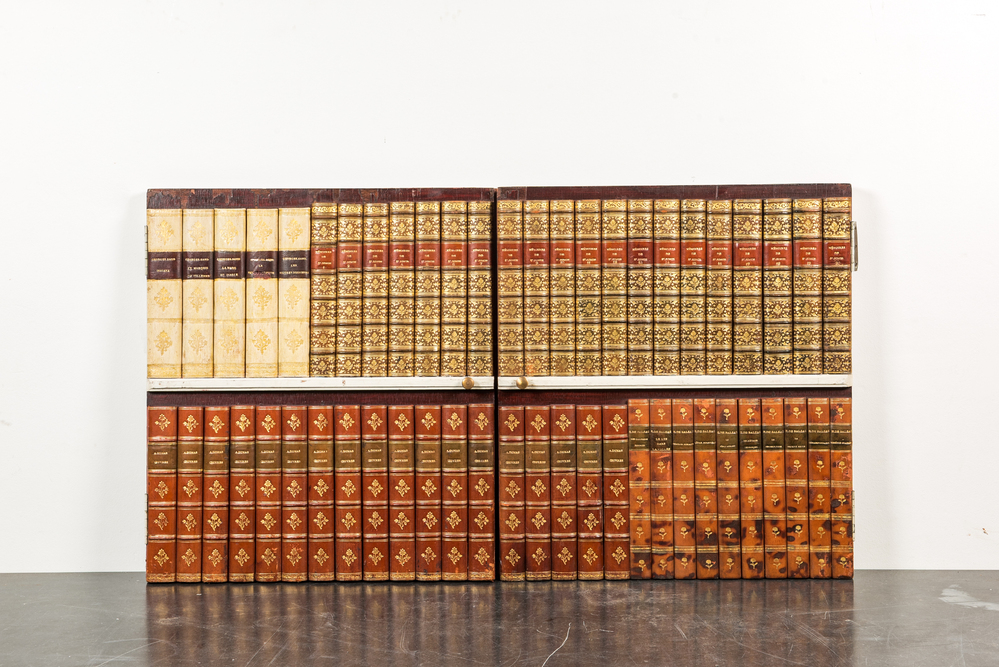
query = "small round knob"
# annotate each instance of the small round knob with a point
(468, 383)
(522, 382)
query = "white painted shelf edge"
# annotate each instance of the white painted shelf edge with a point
(317, 384)
(607, 382)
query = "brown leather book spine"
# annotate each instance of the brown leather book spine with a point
(481, 492)
(242, 496)
(321, 507)
(427, 345)
(322, 318)
(614, 286)
(401, 288)
(294, 493)
(639, 488)
(774, 512)
(161, 495)
(374, 285)
(510, 285)
(537, 359)
(589, 360)
(428, 493)
(537, 478)
(512, 514)
(661, 487)
(777, 348)
(617, 531)
(684, 544)
(563, 492)
(693, 259)
(640, 256)
(268, 494)
(718, 300)
(454, 492)
(820, 495)
(589, 497)
(751, 488)
(796, 485)
(705, 488)
(454, 288)
(562, 257)
(841, 486)
(215, 517)
(190, 494)
(402, 493)
(347, 491)
(666, 287)
(729, 527)
(747, 287)
(807, 286)
(480, 288)
(836, 278)
(349, 290)
(375, 492)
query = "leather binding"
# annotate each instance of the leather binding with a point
(161, 495)
(729, 528)
(454, 288)
(401, 288)
(841, 486)
(164, 293)
(774, 512)
(196, 273)
(807, 286)
(640, 257)
(481, 492)
(747, 287)
(777, 350)
(718, 299)
(215, 514)
(268, 494)
(349, 289)
(589, 360)
(512, 531)
(617, 530)
(693, 258)
(402, 490)
(347, 490)
(819, 464)
(375, 291)
(261, 272)
(321, 508)
(538, 482)
(706, 488)
(454, 493)
(614, 286)
(190, 494)
(666, 287)
(510, 286)
(427, 358)
(562, 272)
(229, 336)
(242, 496)
(661, 487)
(537, 342)
(294, 236)
(796, 485)
(322, 319)
(639, 486)
(836, 268)
(294, 493)
(480, 288)
(428, 493)
(589, 496)
(563, 492)
(375, 492)
(684, 545)
(751, 488)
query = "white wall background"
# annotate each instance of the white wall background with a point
(99, 103)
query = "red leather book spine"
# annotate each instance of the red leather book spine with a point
(538, 481)
(428, 493)
(774, 513)
(705, 488)
(588, 288)
(454, 289)
(729, 528)
(819, 524)
(666, 287)
(639, 488)
(661, 487)
(747, 287)
(510, 286)
(320, 494)
(480, 288)
(537, 333)
(589, 497)
(684, 545)
(640, 286)
(161, 495)
(751, 488)
(215, 517)
(481, 492)
(427, 359)
(563, 492)
(374, 492)
(375, 290)
(617, 531)
(402, 494)
(402, 288)
(796, 486)
(693, 258)
(841, 486)
(242, 496)
(614, 286)
(349, 289)
(454, 493)
(563, 287)
(836, 278)
(807, 286)
(777, 345)
(347, 491)
(294, 493)
(512, 546)
(190, 466)
(268, 494)
(718, 294)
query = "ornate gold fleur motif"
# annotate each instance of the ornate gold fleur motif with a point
(619, 555)
(215, 557)
(402, 488)
(482, 556)
(661, 466)
(268, 488)
(589, 423)
(429, 421)
(454, 555)
(618, 521)
(428, 554)
(590, 556)
(268, 423)
(294, 555)
(242, 521)
(294, 521)
(539, 488)
(216, 488)
(321, 486)
(429, 487)
(590, 488)
(321, 556)
(482, 487)
(161, 489)
(189, 557)
(348, 488)
(617, 423)
(190, 488)
(617, 487)
(429, 520)
(512, 557)
(320, 421)
(512, 488)
(190, 423)
(242, 423)
(375, 488)
(402, 423)
(292, 296)
(454, 488)
(163, 299)
(402, 521)
(512, 423)
(348, 521)
(453, 519)
(346, 421)
(538, 423)
(563, 422)
(564, 520)
(375, 556)
(565, 556)
(375, 421)
(539, 556)
(294, 488)
(481, 520)
(162, 422)
(512, 521)
(294, 422)
(639, 466)
(242, 557)
(268, 521)
(161, 557)
(402, 557)
(161, 520)
(242, 488)
(216, 424)
(320, 520)
(375, 520)
(454, 421)
(591, 521)
(214, 521)
(538, 520)
(163, 342)
(482, 421)
(349, 557)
